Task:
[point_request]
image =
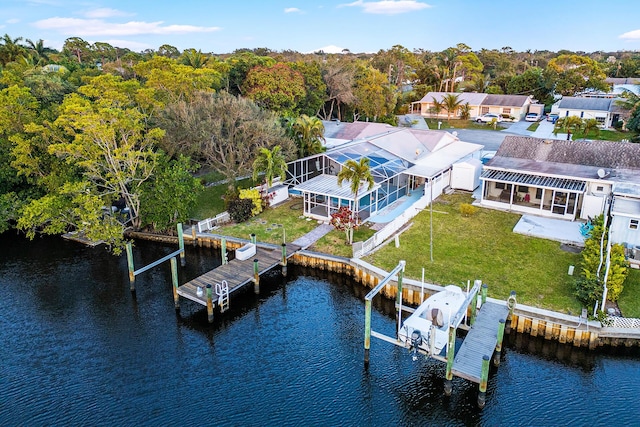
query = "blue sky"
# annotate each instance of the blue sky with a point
(221, 26)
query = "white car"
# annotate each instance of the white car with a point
(487, 118)
(532, 117)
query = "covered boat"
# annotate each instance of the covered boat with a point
(427, 329)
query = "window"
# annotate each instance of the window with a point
(484, 110)
(500, 185)
(506, 111)
(581, 114)
(601, 120)
(538, 193)
(523, 189)
(633, 224)
(599, 188)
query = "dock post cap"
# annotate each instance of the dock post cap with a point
(403, 263)
(208, 285)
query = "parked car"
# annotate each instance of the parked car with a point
(553, 118)
(487, 118)
(532, 117)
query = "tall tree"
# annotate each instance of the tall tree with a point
(358, 174)
(374, 96)
(339, 78)
(77, 47)
(574, 73)
(569, 125)
(308, 133)
(451, 102)
(222, 131)
(272, 163)
(277, 88)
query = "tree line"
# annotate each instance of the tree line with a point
(101, 139)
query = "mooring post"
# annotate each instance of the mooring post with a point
(209, 304)
(223, 250)
(194, 237)
(132, 276)
(174, 280)
(484, 293)
(253, 238)
(496, 354)
(183, 260)
(484, 376)
(367, 330)
(451, 348)
(256, 277)
(399, 297)
(284, 259)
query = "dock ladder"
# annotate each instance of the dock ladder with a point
(222, 290)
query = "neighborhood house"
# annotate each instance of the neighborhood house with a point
(568, 180)
(508, 106)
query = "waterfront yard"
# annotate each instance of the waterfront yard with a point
(483, 246)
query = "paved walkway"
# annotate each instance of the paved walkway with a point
(552, 229)
(313, 236)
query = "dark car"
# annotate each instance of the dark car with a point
(553, 118)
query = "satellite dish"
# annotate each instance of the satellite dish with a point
(454, 133)
(601, 173)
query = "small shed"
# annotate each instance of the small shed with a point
(465, 175)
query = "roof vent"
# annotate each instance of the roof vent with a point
(548, 141)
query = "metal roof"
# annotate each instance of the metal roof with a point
(383, 165)
(533, 180)
(328, 185)
(626, 207)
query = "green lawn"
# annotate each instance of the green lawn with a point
(210, 201)
(606, 135)
(533, 126)
(484, 247)
(335, 243)
(629, 301)
(272, 225)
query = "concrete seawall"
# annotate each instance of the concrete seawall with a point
(533, 321)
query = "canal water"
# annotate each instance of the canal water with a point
(77, 348)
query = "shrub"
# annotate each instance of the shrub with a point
(240, 209)
(467, 209)
(255, 197)
(588, 291)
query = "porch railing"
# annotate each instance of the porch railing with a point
(361, 249)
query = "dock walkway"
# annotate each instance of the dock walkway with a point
(481, 340)
(237, 273)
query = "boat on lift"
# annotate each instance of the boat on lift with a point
(427, 329)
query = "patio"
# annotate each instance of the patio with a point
(567, 232)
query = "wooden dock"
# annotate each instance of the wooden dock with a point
(481, 340)
(236, 273)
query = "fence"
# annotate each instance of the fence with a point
(361, 249)
(211, 223)
(623, 322)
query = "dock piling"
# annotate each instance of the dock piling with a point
(183, 260)
(223, 251)
(256, 276)
(483, 381)
(284, 259)
(253, 238)
(209, 303)
(496, 354)
(132, 276)
(484, 293)
(174, 280)
(399, 300)
(451, 348)
(194, 237)
(367, 331)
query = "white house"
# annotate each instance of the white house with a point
(515, 106)
(604, 110)
(402, 161)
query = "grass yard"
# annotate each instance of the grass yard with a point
(271, 225)
(210, 201)
(629, 301)
(334, 243)
(483, 246)
(533, 127)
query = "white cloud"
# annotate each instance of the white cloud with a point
(12, 21)
(105, 12)
(292, 10)
(630, 35)
(99, 27)
(328, 49)
(388, 7)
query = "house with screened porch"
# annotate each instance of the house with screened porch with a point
(572, 180)
(403, 162)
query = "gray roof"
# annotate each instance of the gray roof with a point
(506, 100)
(465, 97)
(623, 80)
(356, 130)
(621, 160)
(578, 103)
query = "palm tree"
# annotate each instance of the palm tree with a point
(10, 49)
(38, 50)
(451, 103)
(589, 126)
(308, 133)
(436, 107)
(270, 162)
(194, 58)
(568, 124)
(357, 173)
